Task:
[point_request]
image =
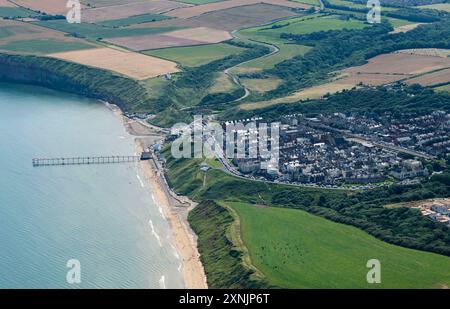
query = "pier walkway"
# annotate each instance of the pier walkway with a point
(85, 160)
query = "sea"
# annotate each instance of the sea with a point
(84, 226)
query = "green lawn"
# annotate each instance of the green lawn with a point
(44, 46)
(295, 249)
(93, 31)
(193, 56)
(132, 20)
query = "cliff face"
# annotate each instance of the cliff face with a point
(74, 78)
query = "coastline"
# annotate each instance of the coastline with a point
(175, 209)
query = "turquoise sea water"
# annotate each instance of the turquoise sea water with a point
(102, 215)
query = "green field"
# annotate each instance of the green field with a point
(299, 25)
(295, 249)
(13, 12)
(438, 6)
(93, 31)
(43, 46)
(194, 56)
(132, 20)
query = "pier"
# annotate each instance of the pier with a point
(85, 160)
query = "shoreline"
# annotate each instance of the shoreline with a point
(175, 208)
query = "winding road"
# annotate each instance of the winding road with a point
(274, 50)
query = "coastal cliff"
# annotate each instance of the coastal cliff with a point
(71, 77)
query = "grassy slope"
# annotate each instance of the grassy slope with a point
(295, 249)
(221, 258)
(329, 245)
(298, 25)
(194, 56)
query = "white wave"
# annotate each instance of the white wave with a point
(162, 282)
(140, 180)
(179, 267)
(174, 250)
(153, 198)
(154, 233)
(122, 137)
(161, 212)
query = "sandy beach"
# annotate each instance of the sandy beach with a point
(175, 208)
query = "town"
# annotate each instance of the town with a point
(353, 150)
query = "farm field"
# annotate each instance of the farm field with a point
(311, 2)
(437, 6)
(199, 1)
(28, 38)
(295, 249)
(95, 32)
(102, 3)
(131, 64)
(178, 38)
(233, 18)
(130, 9)
(431, 79)
(196, 55)
(434, 52)
(6, 3)
(401, 64)
(52, 7)
(303, 25)
(216, 6)
(132, 20)
(43, 46)
(16, 12)
(411, 65)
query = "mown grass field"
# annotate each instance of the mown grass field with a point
(295, 249)
(194, 56)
